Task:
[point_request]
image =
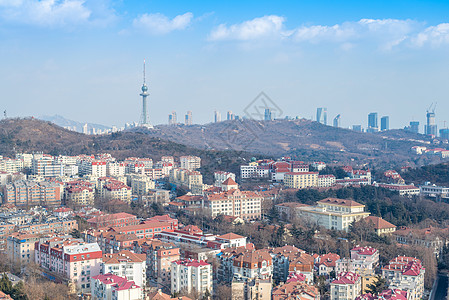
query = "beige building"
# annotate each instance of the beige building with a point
(301, 180)
(244, 204)
(254, 289)
(20, 247)
(190, 163)
(333, 213)
(141, 185)
(193, 180)
(380, 226)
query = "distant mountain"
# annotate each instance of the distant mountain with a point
(303, 139)
(63, 122)
(30, 134)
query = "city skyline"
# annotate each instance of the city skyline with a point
(83, 60)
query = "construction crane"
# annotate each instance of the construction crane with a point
(432, 107)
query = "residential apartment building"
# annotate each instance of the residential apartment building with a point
(193, 180)
(289, 259)
(30, 193)
(141, 185)
(70, 259)
(190, 163)
(126, 264)
(191, 275)
(221, 176)
(347, 286)
(407, 274)
(113, 220)
(296, 290)
(326, 180)
(363, 261)
(253, 289)
(159, 258)
(333, 213)
(301, 180)
(79, 193)
(113, 287)
(244, 204)
(20, 247)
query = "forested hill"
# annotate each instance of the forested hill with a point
(28, 135)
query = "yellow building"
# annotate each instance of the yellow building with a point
(333, 213)
(301, 180)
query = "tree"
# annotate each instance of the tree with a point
(6, 285)
(377, 286)
(223, 292)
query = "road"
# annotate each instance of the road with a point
(440, 292)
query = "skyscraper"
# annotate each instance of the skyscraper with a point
(230, 116)
(321, 115)
(385, 123)
(372, 122)
(337, 121)
(414, 126)
(172, 118)
(267, 116)
(444, 134)
(188, 120)
(144, 120)
(431, 127)
(217, 116)
(357, 128)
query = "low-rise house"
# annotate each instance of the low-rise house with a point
(380, 226)
(326, 263)
(431, 237)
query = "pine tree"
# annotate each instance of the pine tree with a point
(378, 286)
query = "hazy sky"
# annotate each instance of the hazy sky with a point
(83, 59)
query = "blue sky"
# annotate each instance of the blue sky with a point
(83, 59)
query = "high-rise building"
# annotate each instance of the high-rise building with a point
(431, 127)
(357, 128)
(414, 126)
(172, 118)
(230, 116)
(217, 116)
(267, 116)
(385, 123)
(337, 121)
(321, 115)
(188, 120)
(444, 133)
(144, 120)
(372, 122)
(85, 129)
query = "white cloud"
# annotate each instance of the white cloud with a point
(383, 34)
(161, 24)
(433, 36)
(264, 27)
(45, 12)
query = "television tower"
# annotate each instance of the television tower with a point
(144, 122)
